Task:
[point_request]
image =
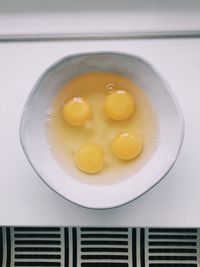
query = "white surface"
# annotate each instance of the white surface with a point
(26, 200)
(61, 17)
(168, 143)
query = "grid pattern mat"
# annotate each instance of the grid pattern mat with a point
(99, 247)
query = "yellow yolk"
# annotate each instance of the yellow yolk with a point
(119, 105)
(77, 111)
(127, 146)
(89, 158)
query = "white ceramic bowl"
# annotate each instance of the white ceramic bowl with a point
(33, 139)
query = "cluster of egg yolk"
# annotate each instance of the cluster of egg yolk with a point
(118, 105)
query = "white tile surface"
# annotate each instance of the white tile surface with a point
(26, 200)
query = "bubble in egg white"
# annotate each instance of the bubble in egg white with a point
(110, 87)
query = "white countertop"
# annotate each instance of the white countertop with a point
(61, 18)
(26, 200)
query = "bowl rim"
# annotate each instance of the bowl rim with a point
(111, 53)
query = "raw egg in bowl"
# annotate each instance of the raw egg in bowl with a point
(102, 128)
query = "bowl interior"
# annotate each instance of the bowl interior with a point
(33, 138)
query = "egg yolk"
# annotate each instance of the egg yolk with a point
(77, 111)
(119, 105)
(89, 158)
(127, 146)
